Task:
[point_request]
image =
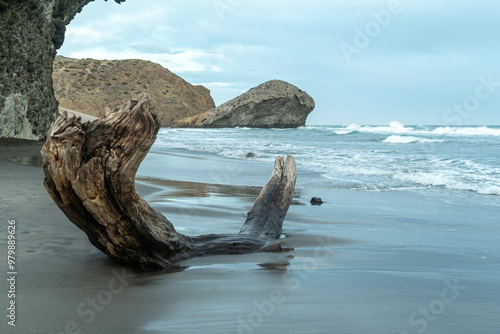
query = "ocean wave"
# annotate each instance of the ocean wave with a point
(394, 127)
(399, 128)
(313, 127)
(368, 158)
(396, 139)
(449, 180)
(343, 132)
(467, 131)
(347, 130)
(489, 190)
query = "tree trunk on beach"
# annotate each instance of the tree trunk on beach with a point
(89, 173)
(30, 33)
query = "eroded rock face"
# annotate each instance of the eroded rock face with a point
(27, 103)
(273, 104)
(30, 33)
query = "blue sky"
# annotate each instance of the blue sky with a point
(363, 61)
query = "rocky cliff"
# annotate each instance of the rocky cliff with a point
(30, 33)
(273, 104)
(32, 30)
(89, 86)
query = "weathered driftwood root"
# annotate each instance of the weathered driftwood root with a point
(89, 173)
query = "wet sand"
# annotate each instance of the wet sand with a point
(363, 262)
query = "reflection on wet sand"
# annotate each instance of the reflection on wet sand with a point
(275, 266)
(164, 190)
(31, 160)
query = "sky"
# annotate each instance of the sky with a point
(364, 62)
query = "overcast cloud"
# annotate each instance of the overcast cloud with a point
(363, 61)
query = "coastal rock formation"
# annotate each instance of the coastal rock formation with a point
(32, 30)
(273, 104)
(90, 86)
(30, 33)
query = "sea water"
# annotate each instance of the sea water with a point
(410, 211)
(364, 158)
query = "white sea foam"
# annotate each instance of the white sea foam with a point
(467, 131)
(369, 160)
(395, 127)
(450, 179)
(343, 132)
(396, 139)
(348, 129)
(489, 190)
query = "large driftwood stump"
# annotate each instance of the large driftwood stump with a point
(90, 170)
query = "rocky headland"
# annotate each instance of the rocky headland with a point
(95, 87)
(273, 104)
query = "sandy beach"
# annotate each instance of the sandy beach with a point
(363, 262)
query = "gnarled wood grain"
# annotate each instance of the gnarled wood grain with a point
(89, 173)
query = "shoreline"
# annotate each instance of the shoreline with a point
(362, 262)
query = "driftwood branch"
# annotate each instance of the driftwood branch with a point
(89, 173)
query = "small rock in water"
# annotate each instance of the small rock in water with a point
(316, 201)
(250, 155)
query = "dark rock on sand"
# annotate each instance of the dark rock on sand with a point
(316, 201)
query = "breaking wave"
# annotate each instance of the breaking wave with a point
(396, 139)
(360, 157)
